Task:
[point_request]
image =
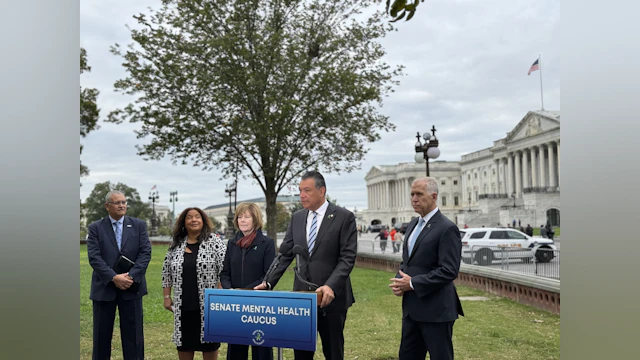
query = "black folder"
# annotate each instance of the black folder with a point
(123, 265)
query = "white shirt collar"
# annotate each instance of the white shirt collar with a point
(322, 209)
(114, 220)
(430, 215)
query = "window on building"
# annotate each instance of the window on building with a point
(475, 175)
(485, 174)
(455, 182)
(456, 202)
(443, 182)
(494, 171)
(469, 177)
(444, 201)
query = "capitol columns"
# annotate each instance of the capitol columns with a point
(534, 168)
(543, 175)
(525, 169)
(509, 174)
(517, 156)
(552, 166)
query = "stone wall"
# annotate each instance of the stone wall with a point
(538, 292)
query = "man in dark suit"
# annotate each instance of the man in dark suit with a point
(328, 232)
(108, 239)
(430, 263)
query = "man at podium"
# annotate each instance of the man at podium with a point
(328, 237)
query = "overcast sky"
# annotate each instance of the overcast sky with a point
(466, 73)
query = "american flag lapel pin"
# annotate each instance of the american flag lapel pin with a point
(128, 225)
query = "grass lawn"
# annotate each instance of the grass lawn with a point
(494, 329)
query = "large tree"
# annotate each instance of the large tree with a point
(276, 87)
(96, 200)
(89, 111)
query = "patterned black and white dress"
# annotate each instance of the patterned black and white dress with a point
(209, 259)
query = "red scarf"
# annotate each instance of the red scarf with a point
(246, 241)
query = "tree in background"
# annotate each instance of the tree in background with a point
(89, 111)
(265, 89)
(94, 204)
(217, 225)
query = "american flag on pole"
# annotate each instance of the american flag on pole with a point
(534, 67)
(153, 188)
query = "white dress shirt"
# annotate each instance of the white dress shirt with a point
(321, 211)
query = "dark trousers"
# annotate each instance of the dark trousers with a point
(241, 352)
(131, 334)
(418, 338)
(383, 245)
(330, 328)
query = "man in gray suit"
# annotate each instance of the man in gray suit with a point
(328, 232)
(430, 263)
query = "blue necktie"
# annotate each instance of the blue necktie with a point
(313, 232)
(414, 235)
(118, 231)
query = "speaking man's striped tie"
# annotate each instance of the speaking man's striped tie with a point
(313, 232)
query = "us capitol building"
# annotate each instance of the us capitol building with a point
(518, 178)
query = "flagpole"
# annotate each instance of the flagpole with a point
(540, 67)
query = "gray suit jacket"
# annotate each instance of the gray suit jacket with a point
(333, 257)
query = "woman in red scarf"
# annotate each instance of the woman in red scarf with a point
(246, 261)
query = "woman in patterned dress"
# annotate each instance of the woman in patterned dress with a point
(193, 263)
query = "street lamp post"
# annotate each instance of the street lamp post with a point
(230, 190)
(469, 203)
(428, 150)
(514, 199)
(173, 198)
(153, 197)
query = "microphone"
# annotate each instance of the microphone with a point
(285, 250)
(299, 251)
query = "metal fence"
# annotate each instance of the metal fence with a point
(542, 262)
(539, 262)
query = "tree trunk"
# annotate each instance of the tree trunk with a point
(272, 213)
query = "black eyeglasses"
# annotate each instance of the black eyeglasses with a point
(118, 202)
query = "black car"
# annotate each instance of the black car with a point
(403, 227)
(376, 228)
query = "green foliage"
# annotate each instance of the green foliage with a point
(402, 5)
(89, 111)
(283, 218)
(217, 225)
(165, 230)
(277, 88)
(95, 202)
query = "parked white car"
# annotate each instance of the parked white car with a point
(483, 245)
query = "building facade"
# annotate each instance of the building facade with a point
(518, 178)
(221, 211)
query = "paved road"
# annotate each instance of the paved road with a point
(551, 269)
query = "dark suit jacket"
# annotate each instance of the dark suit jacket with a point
(103, 252)
(333, 257)
(245, 268)
(433, 265)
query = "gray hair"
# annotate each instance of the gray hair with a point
(108, 197)
(317, 177)
(431, 184)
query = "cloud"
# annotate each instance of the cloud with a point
(465, 72)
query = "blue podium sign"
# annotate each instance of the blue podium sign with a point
(263, 318)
